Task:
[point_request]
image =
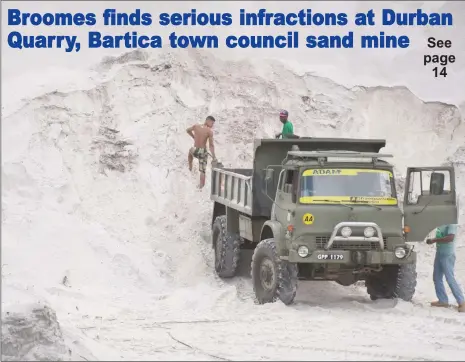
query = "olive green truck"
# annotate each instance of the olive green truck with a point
(326, 209)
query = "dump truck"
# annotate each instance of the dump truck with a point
(326, 209)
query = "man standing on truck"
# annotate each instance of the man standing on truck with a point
(288, 128)
(444, 264)
(201, 133)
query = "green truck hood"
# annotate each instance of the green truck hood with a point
(320, 220)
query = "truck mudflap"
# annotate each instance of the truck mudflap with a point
(342, 232)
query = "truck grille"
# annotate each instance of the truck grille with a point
(349, 245)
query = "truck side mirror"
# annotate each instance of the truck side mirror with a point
(269, 172)
(436, 183)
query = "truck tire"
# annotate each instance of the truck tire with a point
(227, 249)
(394, 281)
(272, 278)
(406, 282)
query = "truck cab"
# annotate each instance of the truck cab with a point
(337, 202)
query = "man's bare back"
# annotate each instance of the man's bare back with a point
(201, 135)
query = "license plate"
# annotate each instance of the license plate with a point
(330, 257)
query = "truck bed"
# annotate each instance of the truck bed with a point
(232, 187)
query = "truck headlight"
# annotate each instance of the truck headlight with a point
(302, 251)
(346, 231)
(369, 232)
(400, 252)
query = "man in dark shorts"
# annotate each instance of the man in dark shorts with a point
(201, 133)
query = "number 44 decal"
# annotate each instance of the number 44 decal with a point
(442, 72)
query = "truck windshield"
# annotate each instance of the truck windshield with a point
(351, 186)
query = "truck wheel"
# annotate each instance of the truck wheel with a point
(227, 249)
(406, 282)
(272, 278)
(394, 281)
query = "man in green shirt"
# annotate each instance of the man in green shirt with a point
(288, 128)
(444, 264)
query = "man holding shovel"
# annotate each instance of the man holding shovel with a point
(201, 133)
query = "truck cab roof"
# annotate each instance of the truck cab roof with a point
(336, 158)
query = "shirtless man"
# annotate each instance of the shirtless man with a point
(201, 133)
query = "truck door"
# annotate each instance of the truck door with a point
(430, 200)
